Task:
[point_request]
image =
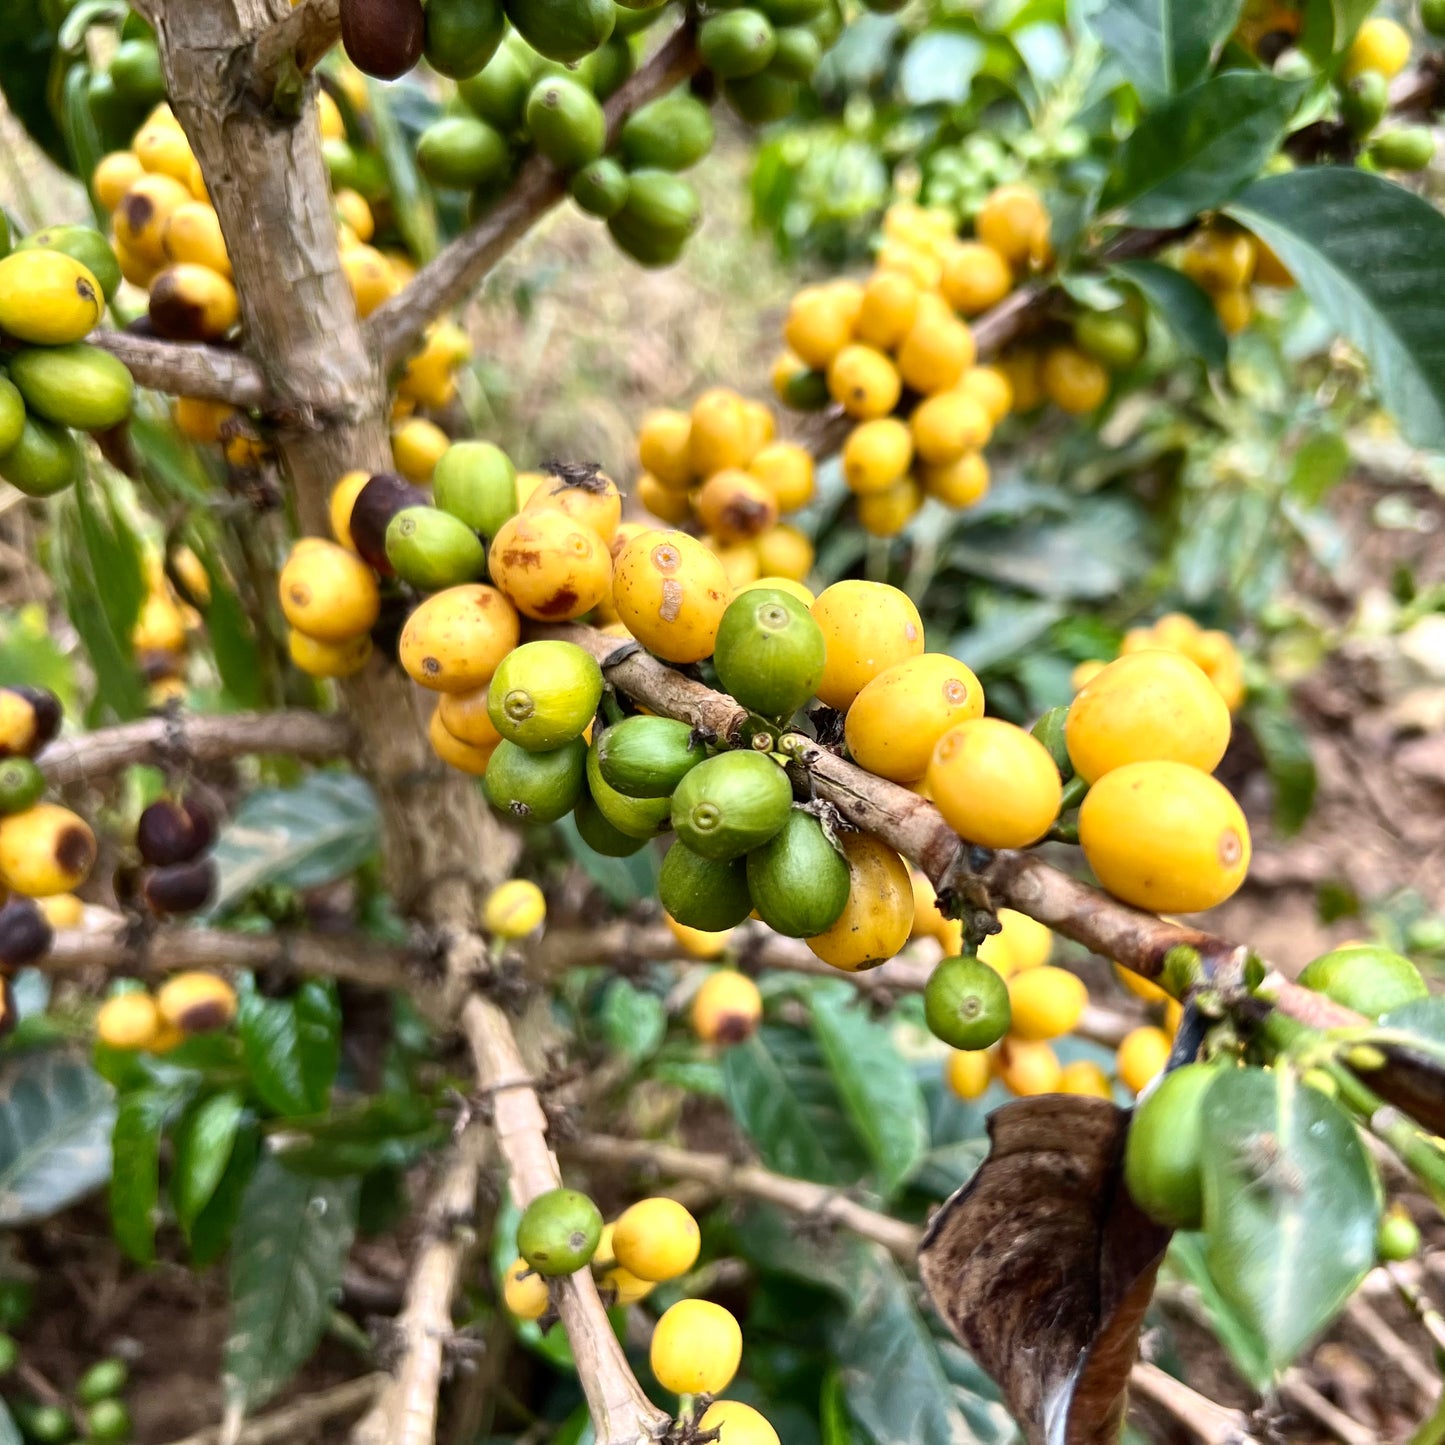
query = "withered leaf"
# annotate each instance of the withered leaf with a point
(1043, 1266)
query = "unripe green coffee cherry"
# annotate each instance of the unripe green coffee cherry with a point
(1363, 101)
(1408, 148)
(1432, 16)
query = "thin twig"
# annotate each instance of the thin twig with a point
(1207, 1421)
(301, 39)
(1295, 1390)
(406, 1412)
(395, 328)
(313, 736)
(188, 369)
(1419, 1301)
(722, 1174)
(1375, 1328)
(293, 1420)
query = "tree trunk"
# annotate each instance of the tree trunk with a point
(269, 185)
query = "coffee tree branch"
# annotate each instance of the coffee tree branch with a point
(396, 328)
(300, 40)
(312, 736)
(187, 368)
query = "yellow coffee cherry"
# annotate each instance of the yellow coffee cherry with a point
(877, 455)
(44, 850)
(343, 499)
(352, 209)
(696, 1348)
(948, 425)
(968, 1073)
(928, 922)
(590, 499)
(524, 1291)
(162, 149)
(625, 1287)
(1021, 368)
(140, 219)
(161, 626)
(1029, 942)
(1164, 836)
(727, 1008)
(1235, 309)
(864, 382)
(1141, 1057)
(783, 584)
(48, 298)
(739, 560)
(1027, 1069)
(1220, 260)
(663, 446)
(719, 434)
(786, 470)
(936, 353)
(975, 277)
(417, 445)
(671, 593)
(1140, 986)
(1084, 1077)
(1085, 672)
(735, 506)
(761, 427)
(464, 756)
(1146, 706)
(465, 716)
(819, 325)
(328, 659)
(896, 721)
(371, 277)
(514, 909)
(62, 910)
(193, 303)
(990, 387)
(456, 639)
(1381, 45)
(128, 1021)
(888, 309)
(876, 920)
(1046, 1003)
(1073, 380)
(551, 567)
(1269, 270)
(867, 628)
(1010, 220)
(995, 784)
(201, 420)
(665, 503)
(192, 234)
(961, 483)
(196, 1003)
(656, 1239)
(698, 942)
(327, 592)
(785, 552)
(113, 176)
(738, 1424)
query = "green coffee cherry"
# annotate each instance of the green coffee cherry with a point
(1432, 17)
(108, 1420)
(559, 1231)
(9, 1354)
(102, 1380)
(1407, 148)
(1363, 101)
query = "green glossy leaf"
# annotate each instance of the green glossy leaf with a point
(140, 1121)
(782, 1095)
(1201, 148)
(1246, 1349)
(1319, 465)
(834, 1421)
(232, 635)
(56, 1115)
(292, 1046)
(1291, 1205)
(634, 1022)
(303, 837)
(939, 65)
(1164, 46)
(210, 1231)
(892, 1376)
(386, 1132)
(1287, 758)
(204, 1139)
(1183, 307)
(1330, 25)
(27, 49)
(877, 1085)
(291, 1242)
(411, 199)
(1322, 222)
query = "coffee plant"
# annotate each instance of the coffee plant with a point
(725, 935)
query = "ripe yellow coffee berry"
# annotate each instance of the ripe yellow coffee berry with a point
(975, 277)
(1235, 309)
(193, 303)
(1220, 260)
(46, 849)
(786, 470)
(888, 309)
(1047, 1003)
(864, 382)
(818, 326)
(1086, 1078)
(662, 446)
(343, 499)
(1141, 1057)
(514, 909)
(626, 1288)
(48, 298)
(1025, 942)
(995, 784)
(465, 717)
(662, 502)
(1143, 707)
(948, 425)
(1381, 45)
(719, 435)
(962, 483)
(877, 455)
(935, 353)
(417, 445)
(327, 592)
(587, 495)
(698, 942)
(128, 1021)
(735, 506)
(671, 592)
(867, 628)
(1164, 836)
(1027, 1069)
(897, 719)
(968, 1073)
(991, 388)
(1138, 985)
(551, 567)
(886, 514)
(328, 659)
(656, 1239)
(454, 752)
(114, 175)
(696, 1348)
(62, 910)
(1010, 221)
(738, 1424)
(727, 1008)
(1073, 380)
(524, 1291)
(785, 552)
(456, 639)
(196, 1002)
(878, 915)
